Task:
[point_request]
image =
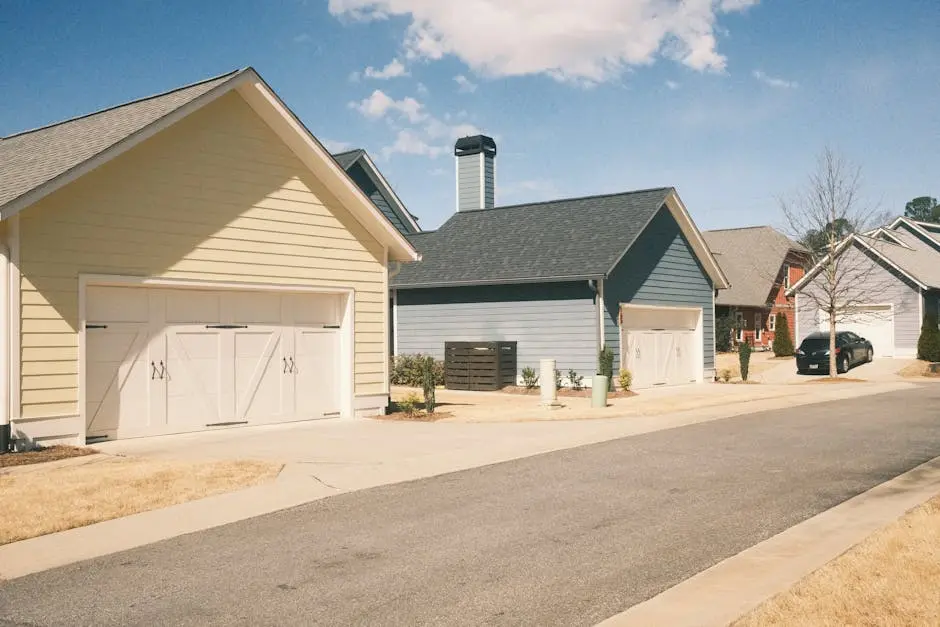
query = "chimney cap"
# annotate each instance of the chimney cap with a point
(474, 145)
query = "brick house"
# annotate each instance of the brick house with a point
(762, 264)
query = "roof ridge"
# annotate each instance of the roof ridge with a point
(124, 104)
(744, 228)
(558, 200)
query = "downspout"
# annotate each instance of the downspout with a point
(597, 286)
(5, 431)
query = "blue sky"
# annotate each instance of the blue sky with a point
(728, 100)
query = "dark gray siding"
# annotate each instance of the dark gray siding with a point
(368, 186)
(468, 183)
(548, 320)
(660, 269)
(880, 286)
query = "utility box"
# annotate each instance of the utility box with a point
(483, 366)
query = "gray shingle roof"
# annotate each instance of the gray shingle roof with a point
(751, 259)
(920, 260)
(346, 159)
(574, 238)
(32, 158)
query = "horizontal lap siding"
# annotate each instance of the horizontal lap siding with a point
(549, 321)
(660, 269)
(216, 197)
(468, 182)
(880, 286)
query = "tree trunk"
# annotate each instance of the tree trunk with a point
(833, 368)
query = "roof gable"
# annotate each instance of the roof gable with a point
(753, 258)
(570, 239)
(367, 176)
(136, 122)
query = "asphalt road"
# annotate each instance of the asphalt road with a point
(566, 538)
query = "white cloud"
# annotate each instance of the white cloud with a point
(409, 142)
(379, 105)
(394, 69)
(774, 82)
(581, 42)
(335, 145)
(464, 84)
(672, 85)
(422, 89)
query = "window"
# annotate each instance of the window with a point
(772, 322)
(786, 277)
(758, 327)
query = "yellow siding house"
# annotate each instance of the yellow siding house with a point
(190, 261)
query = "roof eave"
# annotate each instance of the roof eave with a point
(511, 281)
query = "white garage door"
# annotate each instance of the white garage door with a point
(661, 345)
(875, 323)
(163, 361)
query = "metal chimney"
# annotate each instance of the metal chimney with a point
(476, 172)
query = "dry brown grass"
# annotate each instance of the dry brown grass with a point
(50, 454)
(43, 501)
(888, 580)
(918, 369)
(760, 362)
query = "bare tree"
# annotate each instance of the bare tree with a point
(829, 217)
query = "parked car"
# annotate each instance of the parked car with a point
(851, 350)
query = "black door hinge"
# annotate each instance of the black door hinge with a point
(226, 326)
(96, 326)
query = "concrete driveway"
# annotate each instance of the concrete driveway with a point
(880, 370)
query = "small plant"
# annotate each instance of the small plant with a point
(744, 358)
(427, 383)
(626, 379)
(605, 365)
(529, 378)
(558, 385)
(576, 381)
(783, 343)
(410, 404)
(928, 345)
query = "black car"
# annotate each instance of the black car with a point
(851, 350)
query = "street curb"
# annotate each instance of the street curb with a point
(720, 594)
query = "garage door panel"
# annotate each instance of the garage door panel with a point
(116, 378)
(317, 391)
(876, 324)
(261, 365)
(117, 304)
(192, 306)
(315, 309)
(192, 377)
(256, 308)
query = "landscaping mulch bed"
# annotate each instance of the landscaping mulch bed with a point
(420, 416)
(49, 454)
(565, 392)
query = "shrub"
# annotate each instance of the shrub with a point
(744, 358)
(409, 370)
(928, 345)
(626, 379)
(783, 343)
(724, 332)
(410, 404)
(576, 382)
(605, 365)
(530, 379)
(428, 381)
(726, 375)
(558, 385)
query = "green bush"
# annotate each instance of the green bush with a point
(626, 379)
(530, 379)
(558, 385)
(783, 343)
(724, 332)
(409, 405)
(576, 382)
(605, 365)
(428, 381)
(928, 345)
(744, 358)
(409, 370)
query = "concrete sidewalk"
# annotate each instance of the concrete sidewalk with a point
(332, 457)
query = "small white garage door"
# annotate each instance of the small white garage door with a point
(661, 345)
(161, 361)
(875, 323)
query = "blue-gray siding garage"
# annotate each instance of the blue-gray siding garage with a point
(564, 278)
